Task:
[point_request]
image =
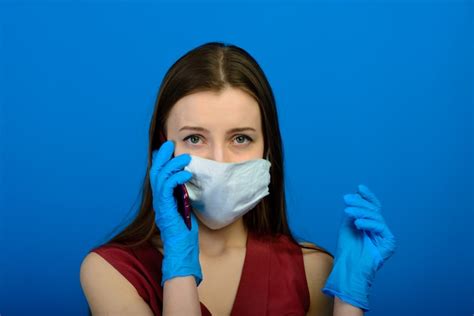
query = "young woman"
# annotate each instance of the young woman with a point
(215, 131)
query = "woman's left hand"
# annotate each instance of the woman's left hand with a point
(365, 242)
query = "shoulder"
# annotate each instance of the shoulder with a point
(316, 262)
(318, 266)
(105, 288)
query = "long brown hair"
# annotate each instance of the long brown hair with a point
(212, 67)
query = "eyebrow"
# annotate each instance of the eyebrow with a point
(202, 129)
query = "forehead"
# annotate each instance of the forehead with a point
(228, 108)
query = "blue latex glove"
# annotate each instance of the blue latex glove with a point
(180, 245)
(364, 244)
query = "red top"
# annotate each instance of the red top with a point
(273, 280)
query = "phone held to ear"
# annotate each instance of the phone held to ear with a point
(181, 196)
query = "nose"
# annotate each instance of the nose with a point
(219, 154)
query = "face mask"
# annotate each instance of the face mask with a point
(222, 192)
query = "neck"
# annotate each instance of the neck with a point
(214, 243)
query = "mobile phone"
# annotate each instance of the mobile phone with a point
(181, 195)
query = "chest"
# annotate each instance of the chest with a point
(221, 279)
(273, 283)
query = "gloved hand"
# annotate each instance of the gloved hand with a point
(180, 245)
(364, 244)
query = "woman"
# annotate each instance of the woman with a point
(216, 114)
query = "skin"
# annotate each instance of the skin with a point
(210, 110)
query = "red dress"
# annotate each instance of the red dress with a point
(273, 280)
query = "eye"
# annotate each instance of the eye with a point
(244, 137)
(192, 137)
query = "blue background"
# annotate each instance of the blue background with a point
(372, 92)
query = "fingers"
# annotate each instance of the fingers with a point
(169, 213)
(357, 212)
(380, 235)
(368, 195)
(364, 198)
(369, 221)
(178, 178)
(364, 207)
(162, 155)
(162, 167)
(358, 201)
(369, 225)
(364, 210)
(159, 158)
(172, 167)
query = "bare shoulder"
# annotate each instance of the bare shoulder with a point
(317, 263)
(318, 266)
(107, 291)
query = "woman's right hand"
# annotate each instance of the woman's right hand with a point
(180, 245)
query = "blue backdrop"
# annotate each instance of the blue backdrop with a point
(372, 92)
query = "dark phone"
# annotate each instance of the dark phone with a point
(182, 198)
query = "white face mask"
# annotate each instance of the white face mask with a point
(222, 192)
